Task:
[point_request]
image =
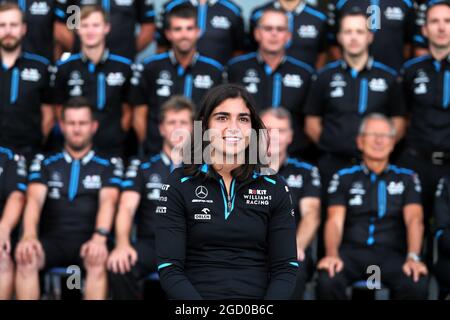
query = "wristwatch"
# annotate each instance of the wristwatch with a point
(102, 232)
(413, 256)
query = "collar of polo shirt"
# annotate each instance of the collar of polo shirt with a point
(367, 171)
(368, 66)
(175, 62)
(84, 160)
(104, 57)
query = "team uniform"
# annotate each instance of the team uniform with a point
(303, 181)
(215, 245)
(68, 217)
(286, 86)
(308, 26)
(392, 21)
(160, 77)
(442, 232)
(374, 231)
(124, 15)
(40, 17)
(24, 87)
(13, 177)
(221, 25)
(341, 96)
(106, 85)
(144, 177)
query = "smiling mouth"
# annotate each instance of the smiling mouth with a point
(232, 139)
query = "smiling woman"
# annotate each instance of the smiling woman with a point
(228, 230)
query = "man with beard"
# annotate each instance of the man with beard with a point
(26, 117)
(71, 201)
(182, 70)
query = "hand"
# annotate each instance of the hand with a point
(5, 243)
(300, 254)
(414, 269)
(122, 258)
(95, 250)
(27, 249)
(332, 264)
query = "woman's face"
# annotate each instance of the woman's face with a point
(229, 128)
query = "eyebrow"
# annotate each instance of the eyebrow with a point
(228, 114)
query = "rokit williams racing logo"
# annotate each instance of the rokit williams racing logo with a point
(257, 197)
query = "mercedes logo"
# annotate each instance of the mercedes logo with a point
(201, 192)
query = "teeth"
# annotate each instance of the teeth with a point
(231, 139)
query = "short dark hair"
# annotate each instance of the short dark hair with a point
(434, 3)
(8, 6)
(185, 11)
(211, 101)
(176, 103)
(78, 103)
(279, 113)
(352, 12)
(86, 11)
(271, 9)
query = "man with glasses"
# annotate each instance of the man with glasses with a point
(375, 219)
(273, 78)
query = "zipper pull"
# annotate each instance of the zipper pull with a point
(229, 203)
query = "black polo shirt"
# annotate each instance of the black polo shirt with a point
(308, 26)
(124, 15)
(396, 26)
(426, 85)
(221, 25)
(40, 16)
(146, 177)
(286, 86)
(106, 85)
(73, 189)
(212, 244)
(161, 76)
(442, 215)
(23, 89)
(374, 205)
(13, 175)
(303, 180)
(342, 97)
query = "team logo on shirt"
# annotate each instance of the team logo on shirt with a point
(337, 83)
(155, 194)
(160, 209)
(355, 201)
(395, 188)
(155, 185)
(357, 188)
(251, 79)
(292, 80)
(295, 181)
(21, 165)
(30, 74)
(394, 13)
(115, 79)
(165, 82)
(54, 193)
(421, 81)
(220, 22)
(55, 180)
(205, 215)
(201, 192)
(307, 31)
(257, 197)
(92, 182)
(39, 8)
(203, 81)
(334, 184)
(378, 85)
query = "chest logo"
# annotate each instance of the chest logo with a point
(378, 85)
(394, 13)
(205, 215)
(92, 182)
(308, 31)
(201, 192)
(40, 8)
(395, 188)
(30, 74)
(220, 22)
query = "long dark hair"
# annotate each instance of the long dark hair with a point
(212, 100)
